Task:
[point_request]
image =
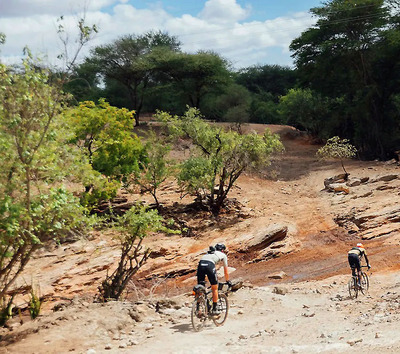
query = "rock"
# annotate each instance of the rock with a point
(342, 178)
(136, 315)
(265, 237)
(353, 182)
(339, 187)
(280, 290)
(279, 275)
(351, 343)
(108, 347)
(167, 304)
(236, 284)
(386, 178)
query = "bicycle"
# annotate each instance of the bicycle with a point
(353, 286)
(202, 306)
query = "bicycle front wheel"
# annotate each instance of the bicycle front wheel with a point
(199, 313)
(223, 308)
(353, 287)
(364, 283)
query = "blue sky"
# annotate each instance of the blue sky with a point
(261, 9)
(246, 32)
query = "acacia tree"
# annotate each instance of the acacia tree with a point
(126, 61)
(337, 148)
(35, 159)
(219, 157)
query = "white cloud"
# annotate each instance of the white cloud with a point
(244, 43)
(223, 11)
(23, 8)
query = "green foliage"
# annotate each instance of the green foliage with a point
(155, 168)
(35, 160)
(305, 109)
(129, 61)
(232, 105)
(219, 157)
(264, 110)
(352, 54)
(273, 79)
(5, 309)
(133, 227)
(196, 175)
(101, 189)
(35, 304)
(105, 134)
(85, 34)
(337, 148)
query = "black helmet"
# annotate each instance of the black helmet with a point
(220, 247)
(211, 249)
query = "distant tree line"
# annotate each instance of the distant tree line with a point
(345, 81)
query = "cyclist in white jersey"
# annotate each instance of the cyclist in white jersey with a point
(207, 266)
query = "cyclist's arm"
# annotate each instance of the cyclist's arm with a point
(226, 273)
(366, 259)
(225, 262)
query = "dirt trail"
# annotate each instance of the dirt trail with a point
(314, 315)
(308, 317)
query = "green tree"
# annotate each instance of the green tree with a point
(274, 79)
(155, 167)
(133, 227)
(219, 157)
(105, 134)
(127, 61)
(305, 110)
(35, 160)
(198, 75)
(337, 148)
(352, 53)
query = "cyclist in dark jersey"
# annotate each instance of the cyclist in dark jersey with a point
(354, 256)
(207, 267)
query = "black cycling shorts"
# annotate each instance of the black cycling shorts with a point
(206, 268)
(354, 261)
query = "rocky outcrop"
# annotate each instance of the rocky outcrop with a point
(264, 238)
(381, 218)
(269, 242)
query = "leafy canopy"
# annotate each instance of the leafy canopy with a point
(219, 156)
(105, 134)
(338, 149)
(35, 160)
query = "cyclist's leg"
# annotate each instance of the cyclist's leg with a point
(358, 266)
(201, 273)
(354, 263)
(212, 277)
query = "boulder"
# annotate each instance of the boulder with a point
(339, 187)
(265, 237)
(279, 275)
(342, 178)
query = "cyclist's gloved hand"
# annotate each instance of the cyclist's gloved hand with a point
(369, 266)
(229, 283)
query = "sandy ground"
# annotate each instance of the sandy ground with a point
(314, 315)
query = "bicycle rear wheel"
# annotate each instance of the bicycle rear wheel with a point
(199, 313)
(353, 287)
(223, 308)
(364, 283)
